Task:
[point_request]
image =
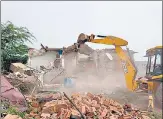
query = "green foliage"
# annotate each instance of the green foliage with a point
(155, 115)
(13, 48)
(14, 111)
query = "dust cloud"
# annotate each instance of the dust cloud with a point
(88, 77)
(107, 78)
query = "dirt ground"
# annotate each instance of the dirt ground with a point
(113, 87)
(138, 100)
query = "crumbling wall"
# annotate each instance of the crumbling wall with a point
(141, 66)
(44, 60)
(95, 72)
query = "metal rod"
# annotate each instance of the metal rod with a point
(150, 64)
(82, 116)
(58, 75)
(147, 66)
(154, 66)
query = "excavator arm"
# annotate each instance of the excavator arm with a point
(128, 65)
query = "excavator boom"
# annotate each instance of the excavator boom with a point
(130, 70)
(128, 66)
(110, 40)
(127, 63)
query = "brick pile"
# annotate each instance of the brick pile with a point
(91, 107)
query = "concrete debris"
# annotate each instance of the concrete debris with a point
(9, 116)
(90, 105)
(19, 67)
(11, 95)
(34, 52)
(22, 81)
(84, 49)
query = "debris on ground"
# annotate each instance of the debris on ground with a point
(20, 68)
(23, 82)
(10, 116)
(12, 95)
(90, 106)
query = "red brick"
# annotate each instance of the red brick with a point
(93, 109)
(104, 113)
(91, 96)
(90, 114)
(97, 99)
(83, 110)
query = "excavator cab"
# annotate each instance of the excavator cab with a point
(154, 64)
(154, 73)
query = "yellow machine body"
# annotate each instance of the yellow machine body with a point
(128, 66)
(155, 76)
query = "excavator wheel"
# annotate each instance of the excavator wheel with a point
(158, 96)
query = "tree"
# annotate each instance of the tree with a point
(13, 47)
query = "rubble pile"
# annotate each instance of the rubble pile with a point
(22, 81)
(87, 106)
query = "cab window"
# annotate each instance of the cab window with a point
(158, 60)
(152, 63)
(158, 66)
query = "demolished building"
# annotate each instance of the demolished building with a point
(86, 60)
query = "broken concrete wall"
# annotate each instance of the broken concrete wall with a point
(44, 59)
(70, 62)
(141, 66)
(98, 65)
(104, 75)
(88, 69)
(18, 67)
(12, 94)
(114, 64)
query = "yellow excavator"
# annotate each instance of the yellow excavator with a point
(151, 83)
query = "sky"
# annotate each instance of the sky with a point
(58, 23)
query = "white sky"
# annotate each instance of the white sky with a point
(58, 23)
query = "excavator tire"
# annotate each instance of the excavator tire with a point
(158, 96)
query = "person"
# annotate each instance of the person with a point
(158, 70)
